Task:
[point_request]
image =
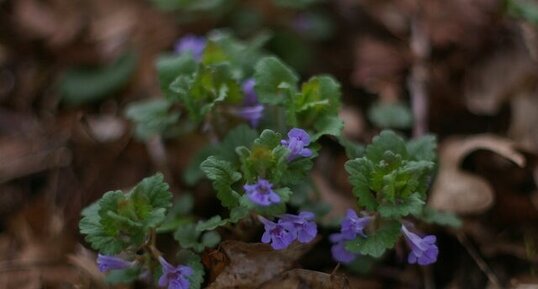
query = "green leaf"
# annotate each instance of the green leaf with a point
(391, 115)
(274, 80)
(211, 239)
(241, 135)
(151, 117)
(211, 224)
(187, 236)
(268, 138)
(98, 238)
(123, 276)
(353, 150)
(328, 125)
(298, 4)
(386, 141)
(238, 213)
(169, 67)
(284, 193)
(240, 55)
(87, 84)
(119, 221)
(525, 9)
(433, 216)
(377, 242)
(409, 206)
(359, 171)
(294, 172)
(223, 176)
(201, 91)
(156, 190)
(423, 149)
(319, 94)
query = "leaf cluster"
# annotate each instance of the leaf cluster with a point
(390, 181)
(121, 221)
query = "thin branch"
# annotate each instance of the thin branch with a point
(420, 47)
(462, 238)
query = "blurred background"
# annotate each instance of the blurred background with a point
(464, 70)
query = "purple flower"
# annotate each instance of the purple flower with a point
(339, 251)
(174, 277)
(305, 229)
(302, 23)
(297, 140)
(280, 235)
(424, 251)
(107, 263)
(352, 225)
(261, 193)
(191, 43)
(251, 98)
(252, 114)
(251, 110)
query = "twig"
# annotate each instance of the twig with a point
(416, 82)
(462, 238)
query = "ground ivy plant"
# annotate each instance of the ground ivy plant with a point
(263, 126)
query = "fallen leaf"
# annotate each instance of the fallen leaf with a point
(252, 264)
(339, 202)
(106, 128)
(306, 279)
(22, 156)
(462, 192)
(488, 86)
(523, 129)
(380, 67)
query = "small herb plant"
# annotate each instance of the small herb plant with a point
(263, 127)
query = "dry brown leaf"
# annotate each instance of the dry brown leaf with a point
(306, 279)
(84, 260)
(338, 202)
(380, 66)
(488, 85)
(252, 264)
(58, 22)
(461, 192)
(523, 129)
(459, 22)
(106, 128)
(20, 156)
(354, 124)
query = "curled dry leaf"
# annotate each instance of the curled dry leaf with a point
(461, 192)
(306, 279)
(254, 264)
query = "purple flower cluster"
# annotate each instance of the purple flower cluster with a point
(174, 277)
(251, 110)
(351, 227)
(424, 251)
(191, 43)
(107, 263)
(297, 143)
(261, 193)
(288, 229)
